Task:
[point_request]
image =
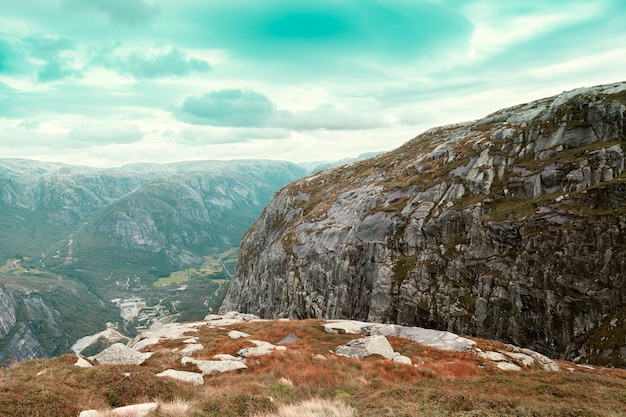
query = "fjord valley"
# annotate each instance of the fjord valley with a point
(73, 238)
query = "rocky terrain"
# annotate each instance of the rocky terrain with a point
(239, 365)
(510, 227)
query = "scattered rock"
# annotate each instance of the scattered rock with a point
(405, 360)
(136, 410)
(345, 326)
(119, 354)
(191, 348)
(261, 349)
(492, 356)
(434, 338)
(290, 338)
(508, 366)
(235, 334)
(193, 378)
(226, 357)
(367, 346)
(215, 367)
(82, 363)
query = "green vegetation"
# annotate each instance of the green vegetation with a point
(402, 267)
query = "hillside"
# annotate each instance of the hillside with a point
(162, 234)
(509, 227)
(237, 365)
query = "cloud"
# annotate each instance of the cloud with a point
(56, 56)
(9, 56)
(104, 134)
(123, 12)
(241, 108)
(247, 108)
(173, 63)
(336, 36)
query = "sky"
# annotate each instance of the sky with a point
(110, 82)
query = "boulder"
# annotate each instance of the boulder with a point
(191, 348)
(193, 378)
(82, 363)
(261, 349)
(119, 354)
(136, 410)
(367, 346)
(235, 334)
(215, 367)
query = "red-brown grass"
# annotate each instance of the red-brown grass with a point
(441, 383)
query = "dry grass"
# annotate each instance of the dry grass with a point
(315, 407)
(443, 384)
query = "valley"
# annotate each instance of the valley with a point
(166, 234)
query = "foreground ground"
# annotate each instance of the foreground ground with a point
(439, 383)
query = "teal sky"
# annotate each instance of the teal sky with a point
(109, 82)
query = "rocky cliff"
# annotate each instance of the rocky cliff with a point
(509, 227)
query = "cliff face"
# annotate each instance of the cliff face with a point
(45, 321)
(509, 227)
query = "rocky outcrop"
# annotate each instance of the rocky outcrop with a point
(41, 323)
(120, 354)
(510, 227)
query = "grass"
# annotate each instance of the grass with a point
(300, 381)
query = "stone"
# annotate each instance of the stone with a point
(226, 357)
(215, 367)
(119, 354)
(345, 326)
(136, 410)
(191, 348)
(367, 346)
(193, 378)
(405, 360)
(493, 356)
(82, 363)
(235, 334)
(261, 349)
(508, 366)
(433, 338)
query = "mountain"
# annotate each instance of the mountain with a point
(114, 233)
(510, 227)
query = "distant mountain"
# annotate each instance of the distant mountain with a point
(116, 231)
(510, 227)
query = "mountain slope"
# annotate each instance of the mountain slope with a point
(509, 227)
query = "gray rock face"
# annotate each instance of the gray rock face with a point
(510, 227)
